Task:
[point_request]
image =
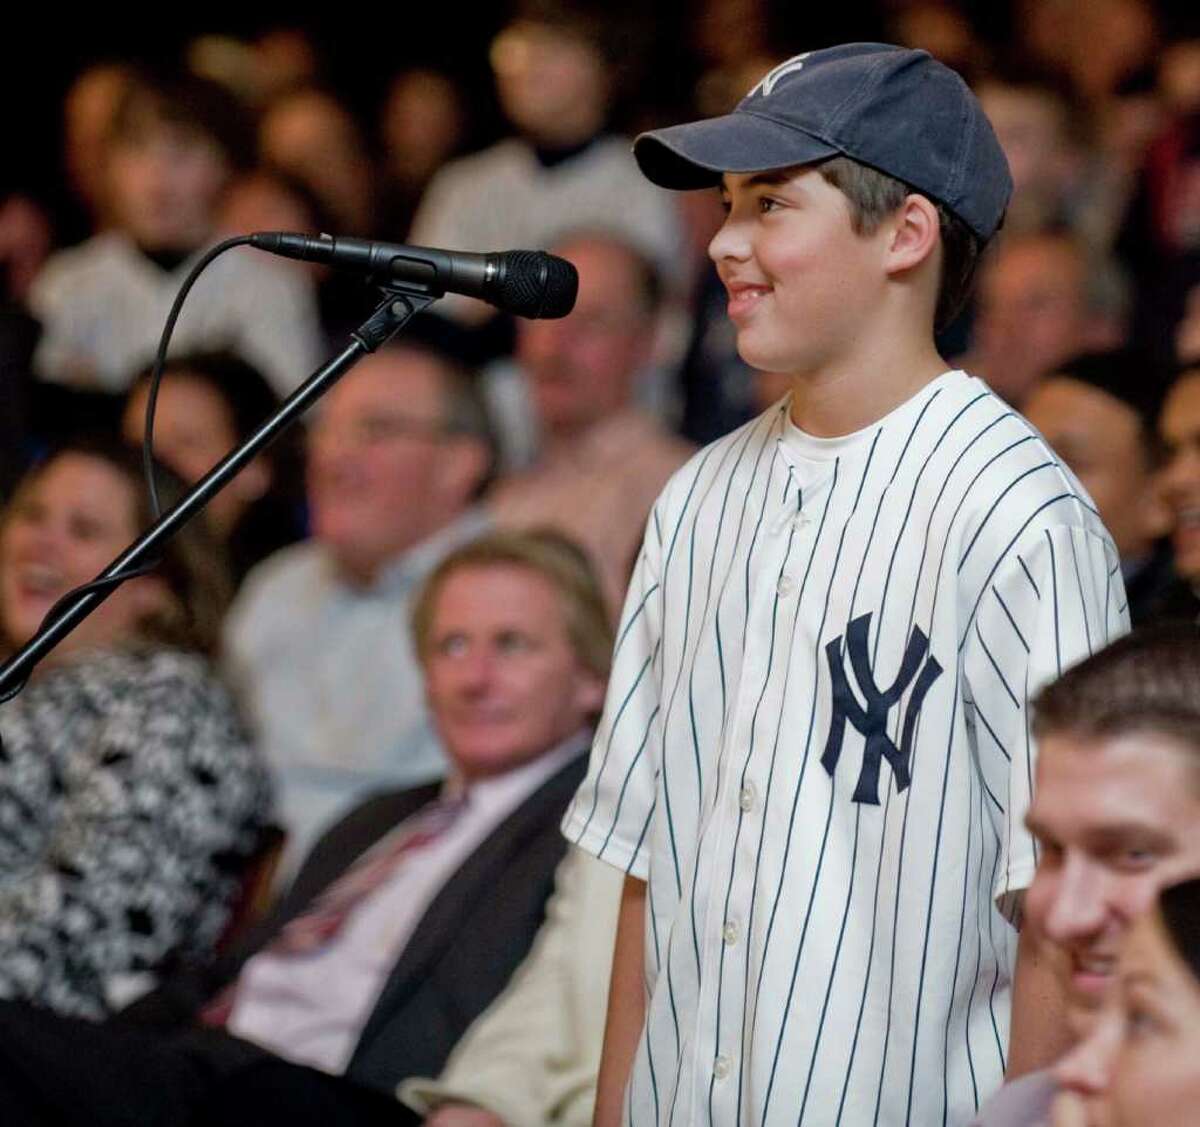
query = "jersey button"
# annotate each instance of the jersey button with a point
(746, 798)
(801, 521)
(730, 932)
(721, 1067)
(786, 586)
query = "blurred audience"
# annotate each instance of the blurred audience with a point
(172, 145)
(207, 404)
(310, 135)
(1116, 815)
(1099, 413)
(130, 797)
(1040, 302)
(423, 123)
(1160, 239)
(410, 915)
(1034, 122)
(1179, 429)
(397, 454)
(1137, 1067)
(555, 67)
(88, 111)
(601, 461)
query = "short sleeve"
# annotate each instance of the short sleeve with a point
(1057, 597)
(611, 814)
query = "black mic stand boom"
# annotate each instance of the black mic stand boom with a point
(389, 318)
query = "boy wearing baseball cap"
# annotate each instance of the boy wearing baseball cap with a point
(814, 762)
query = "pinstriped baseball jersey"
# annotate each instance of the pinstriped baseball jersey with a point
(815, 749)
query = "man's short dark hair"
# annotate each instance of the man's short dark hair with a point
(874, 195)
(1146, 682)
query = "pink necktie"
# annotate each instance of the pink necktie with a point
(313, 929)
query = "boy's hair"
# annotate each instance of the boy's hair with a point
(874, 195)
(1147, 682)
(549, 554)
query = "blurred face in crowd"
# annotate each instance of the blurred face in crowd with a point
(87, 112)
(1030, 125)
(422, 124)
(1101, 439)
(65, 524)
(383, 473)
(193, 430)
(1179, 428)
(553, 85)
(504, 682)
(582, 367)
(314, 138)
(164, 184)
(1116, 818)
(1138, 1066)
(1155, 1079)
(1032, 312)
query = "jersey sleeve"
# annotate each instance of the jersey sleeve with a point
(1055, 598)
(612, 812)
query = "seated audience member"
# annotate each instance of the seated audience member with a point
(409, 916)
(311, 136)
(1141, 1065)
(209, 403)
(531, 1060)
(601, 460)
(171, 148)
(1098, 413)
(397, 453)
(129, 795)
(1116, 813)
(555, 67)
(1040, 303)
(88, 108)
(1033, 119)
(422, 124)
(1160, 238)
(1179, 430)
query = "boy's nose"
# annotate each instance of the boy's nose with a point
(730, 243)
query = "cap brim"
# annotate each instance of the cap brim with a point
(696, 154)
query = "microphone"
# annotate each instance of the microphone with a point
(529, 283)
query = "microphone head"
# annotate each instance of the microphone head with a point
(532, 283)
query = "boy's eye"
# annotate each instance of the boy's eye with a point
(766, 203)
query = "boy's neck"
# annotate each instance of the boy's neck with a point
(840, 399)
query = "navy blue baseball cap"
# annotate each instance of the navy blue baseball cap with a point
(898, 110)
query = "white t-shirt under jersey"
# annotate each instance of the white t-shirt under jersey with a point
(815, 748)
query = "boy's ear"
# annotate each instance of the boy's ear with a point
(916, 230)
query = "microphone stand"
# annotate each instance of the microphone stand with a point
(399, 306)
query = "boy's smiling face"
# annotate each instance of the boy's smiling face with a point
(802, 283)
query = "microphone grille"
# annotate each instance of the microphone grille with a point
(536, 284)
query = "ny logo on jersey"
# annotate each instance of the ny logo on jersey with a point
(768, 82)
(919, 665)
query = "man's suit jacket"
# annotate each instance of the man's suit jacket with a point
(472, 937)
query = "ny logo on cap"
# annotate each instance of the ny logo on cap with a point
(771, 79)
(918, 668)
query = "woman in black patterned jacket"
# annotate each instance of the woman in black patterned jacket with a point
(129, 793)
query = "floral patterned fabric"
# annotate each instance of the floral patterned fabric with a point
(129, 799)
